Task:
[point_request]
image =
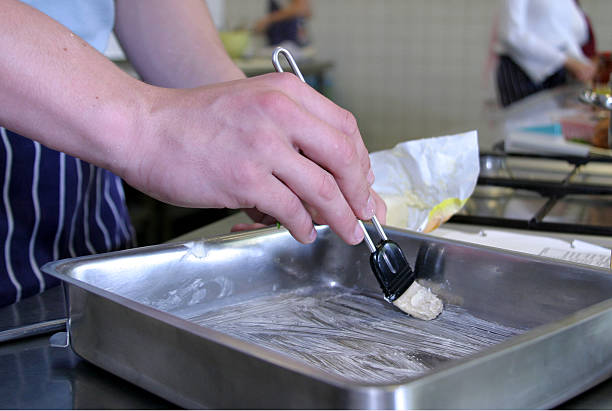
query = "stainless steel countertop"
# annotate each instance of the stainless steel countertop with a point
(36, 376)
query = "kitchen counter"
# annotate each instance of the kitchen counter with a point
(36, 375)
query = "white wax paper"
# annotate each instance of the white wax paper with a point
(424, 182)
(575, 251)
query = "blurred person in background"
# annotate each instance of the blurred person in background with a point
(540, 43)
(285, 22)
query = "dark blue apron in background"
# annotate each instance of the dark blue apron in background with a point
(513, 84)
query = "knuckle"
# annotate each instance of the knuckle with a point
(243, 176)
(349, 125)
(273, 101)
(260, 141)
(294, 207)
(327, 188)
(287, 81)
(347, 152)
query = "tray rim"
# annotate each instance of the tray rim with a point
(280, 359)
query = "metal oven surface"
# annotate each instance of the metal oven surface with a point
(572, 194)
(256, 320)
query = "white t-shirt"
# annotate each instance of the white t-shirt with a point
(92, 20)
(539, 35)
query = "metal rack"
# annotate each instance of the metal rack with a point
(552, 191)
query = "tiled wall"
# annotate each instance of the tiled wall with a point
(409, 68)
(600, 13)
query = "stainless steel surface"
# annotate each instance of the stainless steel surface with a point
(582, 209)
(367, 238)
(59, 340)
(32, 329)
(504, 202)
(525, 168)
(378, 228)
(197, 323)
(36, 376)
(523, 205)
(601, 100)
(488, 201)
(39, 314)
(278, 66)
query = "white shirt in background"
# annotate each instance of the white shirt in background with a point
(92, 20)
(539, 35)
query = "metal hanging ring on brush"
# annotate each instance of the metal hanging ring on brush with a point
(387, 259)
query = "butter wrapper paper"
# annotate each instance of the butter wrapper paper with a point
(424, 182)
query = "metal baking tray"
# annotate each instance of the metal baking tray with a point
(257, 320)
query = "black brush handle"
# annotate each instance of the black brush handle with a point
(391, 269)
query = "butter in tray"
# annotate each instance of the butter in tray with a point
(425, 182)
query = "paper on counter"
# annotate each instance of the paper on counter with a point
(541, 143)
(424, 182)
(577, 251)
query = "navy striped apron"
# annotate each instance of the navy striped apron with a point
(513, 84)
(53, 206)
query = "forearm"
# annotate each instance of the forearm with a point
(58, 90)
(173, 43)
(269, 142)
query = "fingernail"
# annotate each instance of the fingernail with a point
(358, 234)
(312, 236)
(370, 208)
(370, 177)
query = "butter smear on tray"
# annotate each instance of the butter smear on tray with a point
(419, 302)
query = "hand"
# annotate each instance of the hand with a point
(269, 142)
(261, 220)
(584, 72)
(261, 25)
